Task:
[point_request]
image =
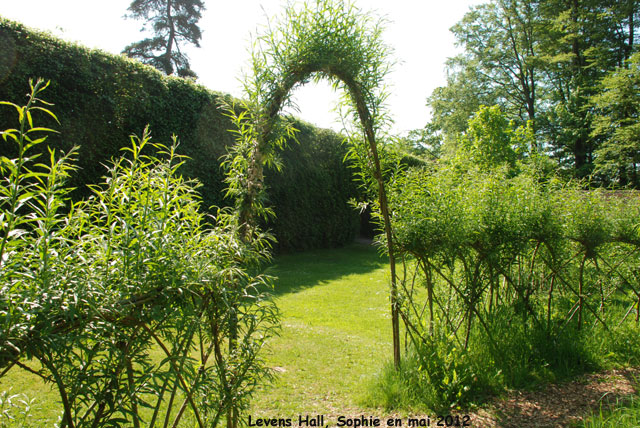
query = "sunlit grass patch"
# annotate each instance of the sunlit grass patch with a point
(336, 331)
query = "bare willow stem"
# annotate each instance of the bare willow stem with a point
(177, 373)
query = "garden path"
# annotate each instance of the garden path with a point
(559, 405)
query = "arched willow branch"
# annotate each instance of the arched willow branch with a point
(330, 40)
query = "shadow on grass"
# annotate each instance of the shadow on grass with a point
(298, 271)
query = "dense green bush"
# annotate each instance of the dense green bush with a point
(101, 99)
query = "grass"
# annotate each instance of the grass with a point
(623, 415)
(336, 331)
(44, 408)
(440, 374)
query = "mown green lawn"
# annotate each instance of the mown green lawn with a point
(336, 331)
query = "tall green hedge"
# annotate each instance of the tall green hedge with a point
(310, 195)
(101, 99)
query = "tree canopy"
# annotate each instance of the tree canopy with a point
(549, 62)
(617, 110)
(173, 22)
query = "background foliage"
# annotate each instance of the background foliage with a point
(553, 63)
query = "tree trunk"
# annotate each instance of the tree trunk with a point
(581, 146)
(167, 62)
(630, 40)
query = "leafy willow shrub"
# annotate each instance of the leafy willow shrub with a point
(94, 291)
(444, 376)
(530, 279)
(436, 376)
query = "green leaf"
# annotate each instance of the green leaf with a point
(29, 118)
(46, 111)
(41, 129)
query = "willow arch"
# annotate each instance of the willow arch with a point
(333, 41)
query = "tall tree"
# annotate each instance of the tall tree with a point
(498, 38)
(541, 61)
(498, 66)
(454, 104)
(581, 42)
(173, 22)
(568, 45)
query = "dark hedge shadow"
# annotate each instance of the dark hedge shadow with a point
(298, 271)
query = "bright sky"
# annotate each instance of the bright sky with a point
(418, 32)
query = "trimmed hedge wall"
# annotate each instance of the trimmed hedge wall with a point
(101, 99)
(310, 194)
